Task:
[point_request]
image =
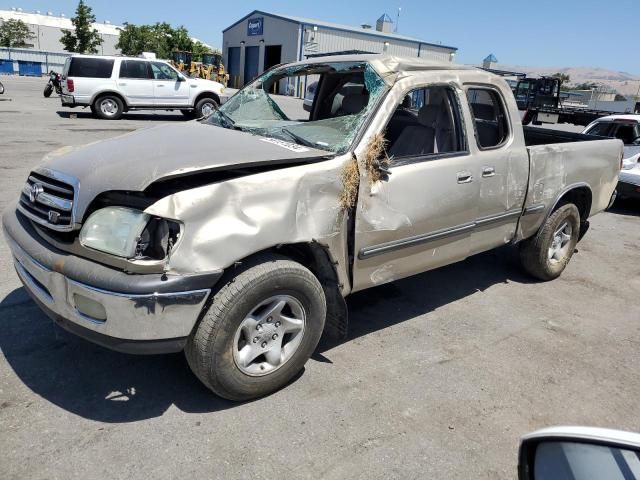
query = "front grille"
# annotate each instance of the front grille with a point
(48, 201)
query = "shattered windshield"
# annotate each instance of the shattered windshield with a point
(274, 105)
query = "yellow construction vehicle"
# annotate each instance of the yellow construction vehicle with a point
(212, 68)
(182, 61)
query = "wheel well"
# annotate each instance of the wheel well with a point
(115, 94)
(581, 198)
(317, 259)
(206, 95)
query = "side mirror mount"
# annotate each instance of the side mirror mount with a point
(181, 78)
(579, 453)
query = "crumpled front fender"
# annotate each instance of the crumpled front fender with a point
(226, 222)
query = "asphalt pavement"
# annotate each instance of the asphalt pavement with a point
(440, 376)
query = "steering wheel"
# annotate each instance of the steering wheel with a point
(636, 141)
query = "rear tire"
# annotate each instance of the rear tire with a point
(239, 349)
(108, 107)
(546, 255)
(205, 107)
(48, 89)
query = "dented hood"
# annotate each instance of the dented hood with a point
(136, 160)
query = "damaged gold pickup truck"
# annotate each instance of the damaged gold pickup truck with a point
(237, 237)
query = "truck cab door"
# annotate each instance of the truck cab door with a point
(170, 87)
(420, 215)
(504, 168)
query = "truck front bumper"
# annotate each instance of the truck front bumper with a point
(142, 314)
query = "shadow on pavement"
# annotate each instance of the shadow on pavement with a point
(89, 380)
(107, 386)
(158, 117)
(387, 305)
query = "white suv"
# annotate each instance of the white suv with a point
(113, 85)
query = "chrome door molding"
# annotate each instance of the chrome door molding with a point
(372, 251)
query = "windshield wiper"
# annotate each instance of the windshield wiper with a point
(299, 139)
(231, 123)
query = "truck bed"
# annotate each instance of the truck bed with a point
(546, 136)
(563, 160)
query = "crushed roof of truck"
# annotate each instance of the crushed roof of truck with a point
(387, 65)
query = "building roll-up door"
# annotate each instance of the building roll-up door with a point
(29, 69)
(6, 67)
(233, 67)
(251, 63)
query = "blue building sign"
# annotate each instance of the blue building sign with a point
(255, 26)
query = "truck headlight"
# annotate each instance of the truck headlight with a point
(114, 230)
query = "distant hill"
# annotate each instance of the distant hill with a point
(623, 82)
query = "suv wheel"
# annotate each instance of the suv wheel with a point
(205, 107)
(260, 329)
(108, 107)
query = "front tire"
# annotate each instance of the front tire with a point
(546, 255)
(259, 330)
(108, 107)
(48, 89)
(205, 107)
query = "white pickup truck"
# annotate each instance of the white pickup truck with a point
(111, 86)
(243, 258)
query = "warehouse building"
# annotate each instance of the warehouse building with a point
(260, 40)
(45, 51)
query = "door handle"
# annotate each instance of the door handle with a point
(488, 172)
(159, 85)
(123, 84)
(465, 177)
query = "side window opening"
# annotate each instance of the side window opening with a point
(427, 122)
(626, 133)
(90, 67)
(600, 129)
(162, 71)
(133, 69)
(492, 126)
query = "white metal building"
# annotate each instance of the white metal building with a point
(261, 39)
(48, 28)
(45, 51)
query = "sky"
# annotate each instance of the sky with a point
(540, 33)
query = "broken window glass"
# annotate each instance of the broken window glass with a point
(327, 116)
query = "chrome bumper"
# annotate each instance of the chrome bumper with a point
(115, 320)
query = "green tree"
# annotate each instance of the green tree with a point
(134, 39)
(198, 49)
(563, 77)
(161, 39)
(84, 38)
(15, 33)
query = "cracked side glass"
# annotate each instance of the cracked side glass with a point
(319, 106)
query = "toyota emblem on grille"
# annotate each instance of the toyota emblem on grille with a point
(35, 190)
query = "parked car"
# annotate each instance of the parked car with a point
(243, 258)
(626, 128)
(111, 86)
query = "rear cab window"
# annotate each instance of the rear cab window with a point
(90, 67)
(490, 118)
